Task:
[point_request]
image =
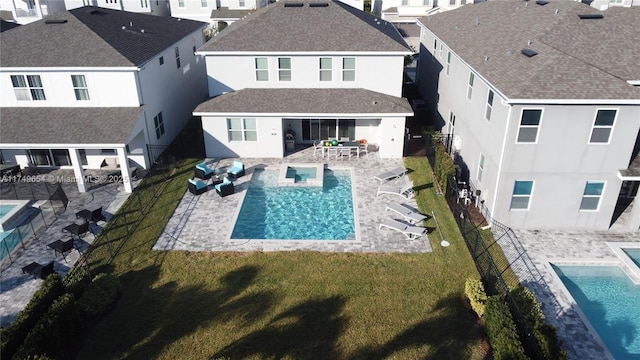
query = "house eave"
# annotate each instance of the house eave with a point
(58, 145)
(573, 101)
(305, 115)
(280, 53)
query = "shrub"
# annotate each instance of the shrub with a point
(501, 331)
(474, 290)
(444, 167)
(544, 333)
(99, 296)
(55, 334)
(13, 336)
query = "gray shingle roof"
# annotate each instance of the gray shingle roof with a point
(44, 125)
(335, 27)
(577, 58)
(306, 101)
(226, 13)
(92, 37)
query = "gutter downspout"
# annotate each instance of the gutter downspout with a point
(502, 151)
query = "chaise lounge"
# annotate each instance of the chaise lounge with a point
(237, 170)
(62, 247)
(405, 191)
(410, 231)
(407, 213)
(38, 271)
(88, 216)
(197, 187)
(202, 171)
(225, 188)
(391, 174)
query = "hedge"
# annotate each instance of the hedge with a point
(443, 167)
(501, 331)
(474, 290)
(99, 297)
(13, 335)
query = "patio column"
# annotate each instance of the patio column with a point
(74, 154)
(124, 169)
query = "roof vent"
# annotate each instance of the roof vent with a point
(318, 4)
(293, 4)
(55, 21)
(542, 2)
(529, 52)
(590, 16)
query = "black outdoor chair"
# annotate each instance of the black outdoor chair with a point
(62, 247)
(76, 229)
(95, 215)
(38, 271)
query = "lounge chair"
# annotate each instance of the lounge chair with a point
(197, 187)
(77, 229)
(408, 214)
(62, 247)
(95, 215)
(225, 188)
(237, 170)
(410, 231)
(405, 191)
(202, 171)
(391, 174)
(38, 271)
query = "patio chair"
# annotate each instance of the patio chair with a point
(317, 147)
(95, 215)
(62, 247)
(408, 214)
(202, 171)
(405, 191)
(237, 170)
(391, 174)
(197, 187)
(225, 188)
(410, 231)
(77, 229)
(346, 152)
(38, 271)
(332, 151)
(363, 147)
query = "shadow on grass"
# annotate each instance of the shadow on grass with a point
(448, 335)
(305, 331)
(149, 316)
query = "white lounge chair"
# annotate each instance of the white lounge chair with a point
(410, 231)
(405, 191)
(411, 216)
(391, 174)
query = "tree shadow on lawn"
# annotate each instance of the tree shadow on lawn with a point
(155, 316)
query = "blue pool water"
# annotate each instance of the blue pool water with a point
(270, 211)
(4, 209)
(611, 302)
(634, 254)
(301, 173)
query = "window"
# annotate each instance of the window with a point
(480, 168)
(161, 59)
(602, 127)
(487, 113)
(144, 4)
(180, 3)
(452, 122)
(452, 2)
(284, 69)
(441, 47)
(425, 2)
(325, 69)
(29, 89)
(591, 196)
(177, 51)
(158, 122)
(405, 2)
(241, 3)
(448, 61)
(529, 124)
(80, 87)
(348, 69)
(262, 69)
(242, 129)
(522, 191)
(470, 86)
(435, 48)
(203, 3)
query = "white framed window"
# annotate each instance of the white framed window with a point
(425, 2)
(405, 2)
(158, 123)
(181, 3)
(284, 69)
(472, 78)
(441, 48)
(452, 122)
(325, 69)
(161, 60)
(487, 112)
(435, 49)
(203, 3)
(177, 52)
(452, 2)
(144, 4)
(529, 125)
(242, 129)
(480, 168)
(80, 87)
(602, 126)
(262, 69)
(241, 3)
(348, 69)
(28, 87)
(448, 61)
(521, 197)
(591, 196)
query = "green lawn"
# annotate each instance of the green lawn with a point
(289, 305)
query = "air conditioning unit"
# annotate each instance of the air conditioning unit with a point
(457, 142)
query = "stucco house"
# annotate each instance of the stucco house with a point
(543, 108)
(290, 68)
(94, 86)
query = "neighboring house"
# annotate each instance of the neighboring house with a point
(543, 107)
(605, 4)
(215, 11)
(267, 78)
(27, 11)
(94, 86)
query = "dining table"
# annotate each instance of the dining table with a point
(341, 145)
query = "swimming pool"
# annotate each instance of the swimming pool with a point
(634, 255)
(609, 300)
(272, 212)
(5, 209)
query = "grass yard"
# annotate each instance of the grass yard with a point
(290, 305)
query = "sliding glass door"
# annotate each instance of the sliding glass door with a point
(323, 129)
